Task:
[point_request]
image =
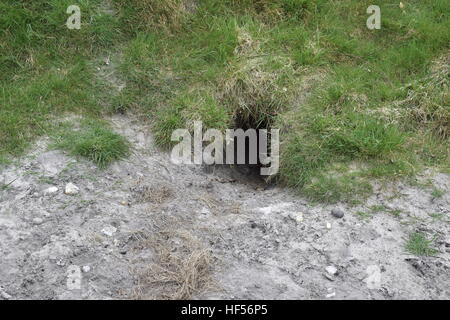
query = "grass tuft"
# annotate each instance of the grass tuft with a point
(95, 142)
(419, 245)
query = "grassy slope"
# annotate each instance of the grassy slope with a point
(44, 66)
(379, 109)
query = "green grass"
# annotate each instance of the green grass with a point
(419, 245)
(378, 109)
(45, 68)
(363, 215)
(95, 141)
(437, 193)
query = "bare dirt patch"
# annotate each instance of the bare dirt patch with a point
(275, 245)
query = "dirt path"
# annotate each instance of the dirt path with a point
(265, 243)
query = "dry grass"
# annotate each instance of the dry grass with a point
(154, 194)
(257, 86)
(168, 14)
(257, 89)
(182, 268)
(428, 101)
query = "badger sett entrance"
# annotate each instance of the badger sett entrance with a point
(241, 147)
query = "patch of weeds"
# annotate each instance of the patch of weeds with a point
(437, 216)
(94, 141)
(198, 105)
(419, 245)
(46, 180)
(437, 193)
(378, 208)
(6, 186)
(363, 215)
(395, 212)
(330, 189)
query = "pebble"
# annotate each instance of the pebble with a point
(331, 293)
(5, 295)
(51, 190)
(296, 216)
(38, 221)
(71, 189)
(109, 230)
(86, 269)
(337, 213)
(332, 270)
(447, 242)
(328, 226)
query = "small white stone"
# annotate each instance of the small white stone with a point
(296, 216)
(86, 269)
(331, 270)
(71, 189)
(38, 221)
(51, 190)
(331, 295)
(328, 226)
(4, 294)
(109, 231)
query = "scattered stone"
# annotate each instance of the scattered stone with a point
(447, 242)
(109, 231)
(4, 295)
(60, 263)
(296, 216)
(331, 293)
(124, 203)
(331, 270)
(71, 189)
(86, 269)
(373, 279)
(331, 278)
(51, 190)
(337, 213)
(38, 221)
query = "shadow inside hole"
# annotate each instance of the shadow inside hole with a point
(248, 172)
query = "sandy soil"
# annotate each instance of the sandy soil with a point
(265, 242)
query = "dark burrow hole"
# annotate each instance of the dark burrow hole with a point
(248, 173)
